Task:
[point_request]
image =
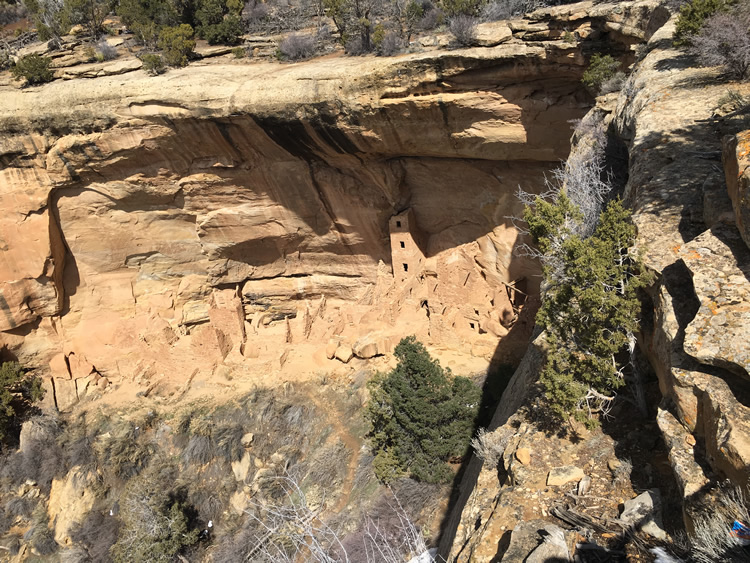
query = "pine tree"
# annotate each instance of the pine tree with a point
(421, 416)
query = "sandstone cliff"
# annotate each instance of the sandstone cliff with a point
(238, 214)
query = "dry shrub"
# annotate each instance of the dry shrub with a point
(622, 472)
(40, 535)
(198, 451)
(227, 440)
(20, 506)
(105, 52)
(432, 17)
(489, 447)
(119, 447)
(10, 13)
(297, 46)
(96, 534)
(41, 458)
(613, 84)
(506, 9)
(390, 45)
(724, 40)
(464, 29)
(711, 541)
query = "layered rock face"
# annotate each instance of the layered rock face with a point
(241, 214)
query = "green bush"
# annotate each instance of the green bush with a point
(693, 15)
(421, 416)
(227, 32)
(145, 18)
(15, 389)
(601, 69)
(177, 43)
(239, 52)
(153, 64)
(454, 8)
(34, 68)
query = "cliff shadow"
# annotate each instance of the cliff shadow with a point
(504, 389)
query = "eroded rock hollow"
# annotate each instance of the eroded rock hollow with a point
(279, 213)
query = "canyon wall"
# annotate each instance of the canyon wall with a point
(240, 214)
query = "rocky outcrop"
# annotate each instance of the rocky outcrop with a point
(696, 334)
(737, 173)
(691, 223)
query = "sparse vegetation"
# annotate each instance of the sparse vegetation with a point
(464, 29)
(153, 64)
(421, 416)
(602, 70)
(693, 15)
(297, 46)
(724, 40)
(34, 68)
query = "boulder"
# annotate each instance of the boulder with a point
(719, 332)
(247, 440)
(366, 347)
(344, 353)
(70, 499)
(241, 468)
(563, 475)
(331, 348)
(644, 513)
(65, 393)
(523, 455)
(58, 366)
(79, 366)
(525, 543)
(492, 33)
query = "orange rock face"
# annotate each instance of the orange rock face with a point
(229, 214)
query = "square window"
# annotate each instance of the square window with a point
(403, 244)
(398, 223)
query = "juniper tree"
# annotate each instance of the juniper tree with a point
(590, 307)
(421, 416)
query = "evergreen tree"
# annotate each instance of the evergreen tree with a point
(590, 307)
(421, 416)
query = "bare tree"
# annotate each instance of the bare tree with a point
(290, 528)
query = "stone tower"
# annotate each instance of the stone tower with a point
(407, 244)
